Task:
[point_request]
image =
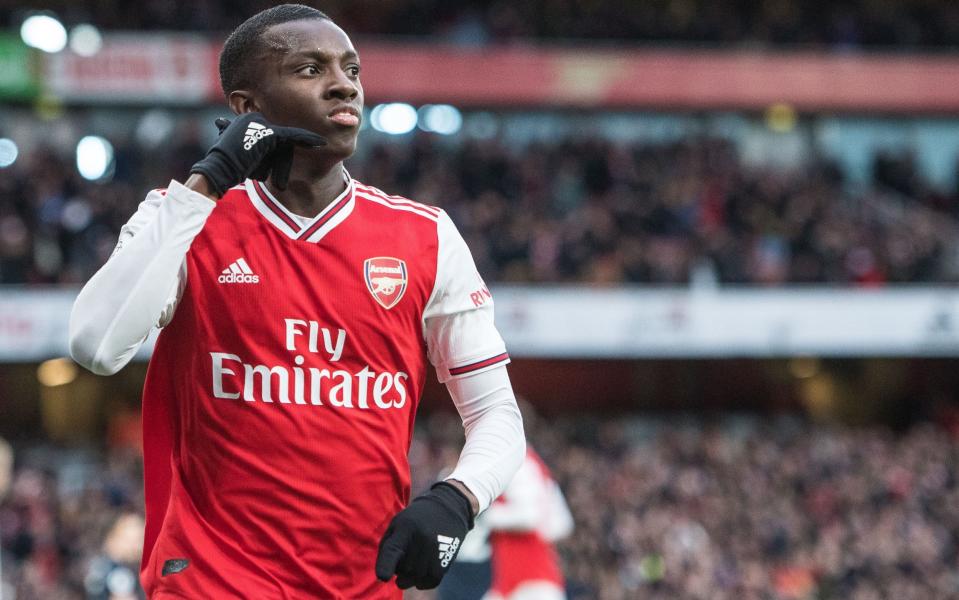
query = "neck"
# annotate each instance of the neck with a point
(313, 185)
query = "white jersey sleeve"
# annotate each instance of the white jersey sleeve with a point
(495, 441)
(458, 321)
(139, 286)
(470, 358)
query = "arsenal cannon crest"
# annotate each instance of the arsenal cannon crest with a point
(386, 279)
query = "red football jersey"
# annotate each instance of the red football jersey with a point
(279, 403)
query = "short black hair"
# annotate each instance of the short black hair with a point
(243, 45)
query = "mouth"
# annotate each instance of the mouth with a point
(346, 116)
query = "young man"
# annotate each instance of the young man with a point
(298, 308)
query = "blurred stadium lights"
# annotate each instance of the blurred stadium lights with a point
(395, 118)
(154, 127)
(44, 32)
(781, 117)
(85, 40)
(56, 371)
(8, 152)
(804, 367)
(481, 125)
(94, 157)
(440, 118)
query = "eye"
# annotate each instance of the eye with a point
(353, 71)
(310, 69)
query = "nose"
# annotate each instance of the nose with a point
(342, 87)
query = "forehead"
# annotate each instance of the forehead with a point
(308, 35)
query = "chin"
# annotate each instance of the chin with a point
(343, 148)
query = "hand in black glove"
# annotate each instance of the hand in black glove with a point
(422, 540)
(249, 146)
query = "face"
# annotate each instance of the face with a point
(309, 77)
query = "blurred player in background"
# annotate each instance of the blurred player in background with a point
(515, 538)
(524, 523)
(298, 308)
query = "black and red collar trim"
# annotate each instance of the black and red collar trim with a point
(277, 214)
(275, 207)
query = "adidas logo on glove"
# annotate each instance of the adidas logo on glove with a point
(254, 133)
(448, 548)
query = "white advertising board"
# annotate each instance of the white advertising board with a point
(626, 322)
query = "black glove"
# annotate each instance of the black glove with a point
(249, 146)
(422, 540)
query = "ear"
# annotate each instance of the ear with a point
(242, 102)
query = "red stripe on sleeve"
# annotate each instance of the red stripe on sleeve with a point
(479, 365)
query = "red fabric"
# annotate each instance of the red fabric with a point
(283, 500)
(520, 558)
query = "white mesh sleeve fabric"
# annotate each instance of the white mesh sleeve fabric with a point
(458, 320)
(495, 442)
(139, 286)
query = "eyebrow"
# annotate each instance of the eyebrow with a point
(324, 56)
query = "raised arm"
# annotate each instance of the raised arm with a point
(139, 286)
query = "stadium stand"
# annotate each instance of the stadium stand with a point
(849, 25)
(738, 507)
(619, 213)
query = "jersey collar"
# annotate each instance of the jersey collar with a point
(281, 218)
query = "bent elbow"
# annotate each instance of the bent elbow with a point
(85, 347)
(83, 353)
(85, 356)
(105, 369)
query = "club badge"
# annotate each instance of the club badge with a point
(386, 279)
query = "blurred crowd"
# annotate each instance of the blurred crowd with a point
(71, 525)
(583, 210)
(590, 210)
(744, 508)
(748, 509)
(839, 25)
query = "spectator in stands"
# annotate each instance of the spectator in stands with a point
(113, 575)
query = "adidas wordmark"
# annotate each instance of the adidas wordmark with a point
(238, 272)
(448, 548)
(254, 133)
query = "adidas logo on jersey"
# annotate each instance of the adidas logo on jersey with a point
(448, 548)
(254, 133)
(238, 272)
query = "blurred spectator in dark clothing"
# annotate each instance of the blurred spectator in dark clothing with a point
(115, 573)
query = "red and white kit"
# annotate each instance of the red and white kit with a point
(279, 403)
(524, 522)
